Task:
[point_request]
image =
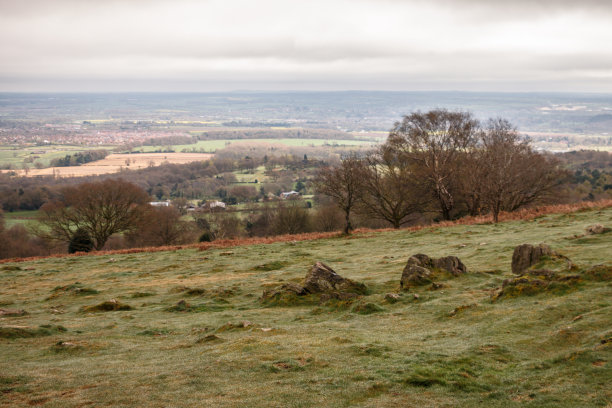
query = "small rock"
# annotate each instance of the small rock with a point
(65, 344)
(392, 297)
(208, 339)
(596, 229)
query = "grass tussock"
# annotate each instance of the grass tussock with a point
(599, 273)
(228, 327)
(75, 289)
(366, 308)
(23, 332)
(271, 266)
(137, 295)
(537, 282)
(112, 305)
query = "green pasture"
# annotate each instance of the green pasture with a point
(19, 217)
(211, 146)
(18, 155)
(187, 328)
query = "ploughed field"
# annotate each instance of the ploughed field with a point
(188, 328)
(116, 162)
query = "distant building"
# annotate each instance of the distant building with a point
(160, 203)
(289, 194)
(214, 205)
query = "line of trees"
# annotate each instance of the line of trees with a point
(445, 163)
(79, 158)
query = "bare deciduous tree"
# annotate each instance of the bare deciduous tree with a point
(160, 226)
(390, 189)
(433, 141)
(291, 217)
(102, 209)
(343, 185)
(511, 175)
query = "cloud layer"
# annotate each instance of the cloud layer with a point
(288, 44)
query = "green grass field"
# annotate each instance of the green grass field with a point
(20, 217)
(211, 146)
(15, 155)
(451, 347)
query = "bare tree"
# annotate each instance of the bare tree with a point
(101, 208)
(160, 226)
(180, 203)
(343, 185)
(433, 141)
(328, 218)
(291, 217)
(511, 174)
(391, 191)
(471, 172)
(220, 225)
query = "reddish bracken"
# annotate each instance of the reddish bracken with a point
(524, 214)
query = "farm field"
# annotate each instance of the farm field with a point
(115, 162)
(214, 145)
(194, 331)
(20, 217)
(15, 155)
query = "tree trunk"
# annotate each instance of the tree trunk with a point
(348, 227)
(496, 210)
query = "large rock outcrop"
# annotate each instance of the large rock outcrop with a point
(527, 255)
(451, 264)
(421, 269)
(323, 279)
(320, 280)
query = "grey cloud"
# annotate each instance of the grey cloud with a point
(595, 62)
(74, 44)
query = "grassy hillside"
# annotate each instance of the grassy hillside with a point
(451, 347)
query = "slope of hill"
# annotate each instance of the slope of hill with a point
(187, 327)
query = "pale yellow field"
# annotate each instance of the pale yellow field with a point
(113, 163)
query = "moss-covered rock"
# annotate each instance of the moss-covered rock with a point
(421, 269)
(321, 284)
(323, 279)
(414, 275)
(535, 282)
(527, 255)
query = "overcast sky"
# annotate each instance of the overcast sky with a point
(212, 45)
